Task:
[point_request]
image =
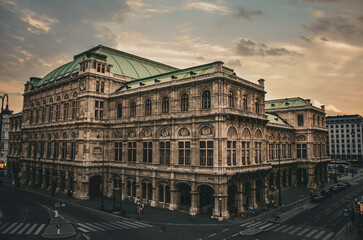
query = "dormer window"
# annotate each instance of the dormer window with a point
(84, 66)
(101, 67)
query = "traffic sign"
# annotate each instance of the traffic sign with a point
(345, 212)
(63, 204)
(58, 225)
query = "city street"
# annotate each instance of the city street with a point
(25, 215)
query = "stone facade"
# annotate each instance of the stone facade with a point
(196, 139)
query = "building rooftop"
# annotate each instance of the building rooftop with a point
(123, 64)
(286, 103)
(274, 119)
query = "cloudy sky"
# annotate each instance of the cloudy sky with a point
(307, 48)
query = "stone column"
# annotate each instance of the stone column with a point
(253, 193)
(240, 197)
(43, 178)
(194, 210)
(173, 199)
(311, 177)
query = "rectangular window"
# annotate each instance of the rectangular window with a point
(132, 151)
(29, 150)
(50, 117)
(41, 153)
(300, 120)
(258, 157)
(98, 109)
(57, 112)
(277, 151)
(246, 153)
(74, 110)
(73, 150)
(271, 151)
(301, 151)
(43, 114)
(164, 152)
(35, 144)
(147, 150)
(184, 152)
(103, 83)
(283, 150)
(65, 111)
(231, 153)
(206, 153)
(64, 150)
(118, 151)
(31, 116)
(49, 150)
(97, 86)
(56, 150)
(37, 116)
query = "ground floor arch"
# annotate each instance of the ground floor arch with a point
(95, 184)
(183, 195)
(206, 199)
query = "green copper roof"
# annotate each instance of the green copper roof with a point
(123, 64)
(285, 103)
(170, 76)
(276, 119)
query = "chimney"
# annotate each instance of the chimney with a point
(261, 82)
(322, 107)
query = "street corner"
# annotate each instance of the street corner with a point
(250, 232)
(59, 230)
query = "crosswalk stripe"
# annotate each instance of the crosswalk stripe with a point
(287, 229)
(311, 233)
(257, 224)
(82, 229)
(86, 227)
(95, 227)
(4, 226)
(23, 229)
(319, 234)
(295, 230)
(278, 229)
(8, 229)
(106, 225)
(125, 223)
(245, 224)
(122, 225)
(16, 229)
(103, 226)
(145, 224)
(134, 224)
(328, 236)
(268, 229)
(265, 226)
(303, 231)
(31, 228)
(39, 229)
(118, 226)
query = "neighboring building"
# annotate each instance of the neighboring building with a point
(345, 137)
(4, 134)
(196, 138)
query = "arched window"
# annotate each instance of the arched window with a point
(230, 99)
(184, 102)
(148, 107)
(165, 105)
(133, 109)
(257, 105)
(206, 99)
(119, 110)
(245, 106)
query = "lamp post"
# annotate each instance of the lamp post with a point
(280, 202)
(1, 113)
(353, 135)
(220, 207)
(103, 169)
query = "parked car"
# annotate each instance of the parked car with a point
(316, 198)
(347, 184)
(326, 193)
(335, 189)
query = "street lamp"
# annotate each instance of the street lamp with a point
(280, 202)
(220, 207)
(103, 168)
(353, 134)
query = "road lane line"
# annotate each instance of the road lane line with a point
(39, 229)
(121, 225)
(303, 231)
(31, 229)
(265, 226)
(23, 229)
(3, 226)
(311, 233)
(287, 229)
(319, 235)
(278, 229)
(16, 229)
(225, 229)
(235, 234)
(328, 236)
(93, 226)
(82, 229)
(295, 230)
(212, 235)
(8, 229)
(86, 227)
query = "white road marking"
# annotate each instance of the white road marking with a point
(121, 225)
(328, 236)
(86, 227)
(82, 229)
(135, 224)
(295, 230)
(319, 235)
(245, 224)
(86, 236)
(16, 229)
(235, 234)
(3, 226)
(268, 229)
(23, 229)
(39, 229)
(8, 229)
(145, 224)
(103, 225)
(278, 229)
(31, 229)
(212, 235)
(303, 231)
(311, 233)
(93, 226)
(265, 226)
(257, 224)
(287, 229)
(127, 224)
(225, 229)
